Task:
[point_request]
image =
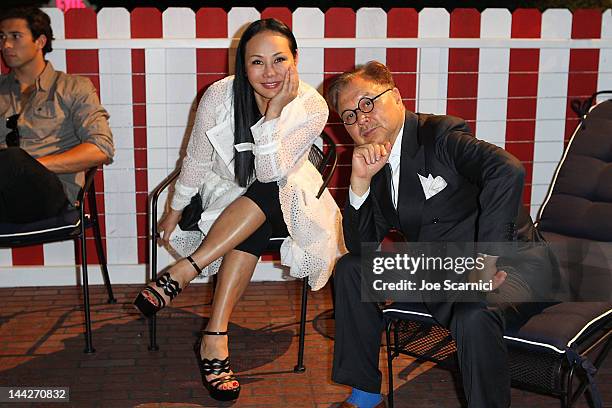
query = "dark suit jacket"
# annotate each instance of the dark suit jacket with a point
(480, 202)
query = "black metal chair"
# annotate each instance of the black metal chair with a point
(562, 342)
(325, 164)
(69, 225)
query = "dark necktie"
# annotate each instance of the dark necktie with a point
(389, 177)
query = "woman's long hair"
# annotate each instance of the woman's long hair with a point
(246, 112)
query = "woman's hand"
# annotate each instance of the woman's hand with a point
(168, 224)
(287, 93)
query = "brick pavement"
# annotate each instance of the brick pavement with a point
(41, 343)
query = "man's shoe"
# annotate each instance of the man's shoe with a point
(345, 404)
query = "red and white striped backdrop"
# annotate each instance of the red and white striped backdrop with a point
(511, 75)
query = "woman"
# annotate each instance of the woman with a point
(248, 158)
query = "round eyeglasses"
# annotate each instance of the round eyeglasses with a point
(365, 105)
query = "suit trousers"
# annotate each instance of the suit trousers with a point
(29, 192)
(478, 333)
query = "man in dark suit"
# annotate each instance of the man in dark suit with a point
(473, 195)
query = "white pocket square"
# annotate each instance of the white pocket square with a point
(432, 186)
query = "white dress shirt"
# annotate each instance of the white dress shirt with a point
(394, 161)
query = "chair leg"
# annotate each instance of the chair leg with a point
(333, 294)
(299, 367)
(389, 364)
(152, 320)
(99, 248)
(573, 396)
(88, 335)
(103, 264)
(584, 382)
(153, 334)
(566, 398)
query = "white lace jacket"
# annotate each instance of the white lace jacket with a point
(281, 154)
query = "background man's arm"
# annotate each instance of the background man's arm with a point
(79, 158)
(90, 123)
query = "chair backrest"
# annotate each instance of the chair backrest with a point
(579, 202)
(576, 217)
(324, 162)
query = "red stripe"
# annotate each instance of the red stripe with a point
(211, 64)
(82, 23)
(340, 196)
(403, 23)
(144, 23)
(342, 175)
(280, 13)
(583, 64)
(339, 23)
(522, 94)
(211, 22)
(28, 256)
(462, 90)
(337, 132)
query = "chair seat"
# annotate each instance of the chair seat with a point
(43, 230)
(562, 326)
(555, 328)
(67, 226)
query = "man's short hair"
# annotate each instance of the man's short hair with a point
(373, 71)
(38, 22)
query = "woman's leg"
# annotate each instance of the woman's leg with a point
(235, 224)
(233, 278)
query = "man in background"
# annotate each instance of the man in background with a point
(52, 126)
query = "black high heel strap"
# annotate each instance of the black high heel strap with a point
(170, 287)
(214, 333)
(195, 265)
(216, 366)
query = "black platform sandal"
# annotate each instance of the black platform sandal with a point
(216, 367)
(170, 287)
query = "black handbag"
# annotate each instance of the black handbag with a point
(191, 214)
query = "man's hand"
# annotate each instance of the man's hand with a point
(489, 272)
(168, 224)
(499, 278)
(287, 93)
(367, 160)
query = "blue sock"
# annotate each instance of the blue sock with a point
(364, 399)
